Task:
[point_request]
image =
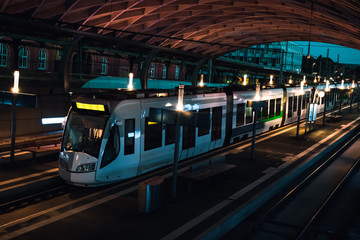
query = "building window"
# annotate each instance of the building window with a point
(42, 59)
(164, 71)
(3, 55)
(152, 70)
(176, 72)
(23, 57)
(58, 54)
(104, 63)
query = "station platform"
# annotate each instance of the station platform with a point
(25, 173)
(211, 207)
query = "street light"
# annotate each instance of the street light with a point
(15, 89)
(179, 109)
(244, 81)
(201, 84)
(301, 93)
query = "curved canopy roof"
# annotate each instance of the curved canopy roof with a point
(209, 27)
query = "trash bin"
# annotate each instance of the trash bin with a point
(149, 194)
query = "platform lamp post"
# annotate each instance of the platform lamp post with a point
(256, 105)
(326, 91)
(351, 95)
(130, 86)
(15, 91)
(301, 93)
(179, 109)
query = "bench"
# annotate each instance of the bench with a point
(205, 170)
(50, 145)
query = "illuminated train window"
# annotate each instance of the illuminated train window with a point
(278, 107)
(295, 104)
(249, 115)
(112, 147)
(290, 102)
(188, 137)
(205, 131)
(129, 136)
(240, 114)
(265, 111)
(170, 131)
(216, 122)
(153, 134)
(272, 108)
(303, 102)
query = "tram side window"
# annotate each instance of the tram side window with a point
(290, 102)
(204, 131)
(295, 103)
(327, 96)
(265, 111)
(153, 134)
(216, 122)
(307, 101)
(170, 131)
(278, 107)
(303, 102)
(272, 108)
(129, 137)
(112, 147)
(249, 115)
(188, 137)
(240, 113)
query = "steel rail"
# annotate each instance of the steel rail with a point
(300, 187)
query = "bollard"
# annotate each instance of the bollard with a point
(149, 194)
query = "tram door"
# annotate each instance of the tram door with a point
(128, 125)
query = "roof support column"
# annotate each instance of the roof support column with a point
(144, 70)
(15, 60)
(65, 61)
(196, 71)
(181, 71)
(210, 70)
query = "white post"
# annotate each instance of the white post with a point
(16, 82)
(201, 84)
(130, 86)
(180, 105)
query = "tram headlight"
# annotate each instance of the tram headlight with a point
(88, 167)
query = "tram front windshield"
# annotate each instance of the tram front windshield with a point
(83, 133)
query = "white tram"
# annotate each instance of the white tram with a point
(108, 137)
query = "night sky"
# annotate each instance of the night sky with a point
(347, 55)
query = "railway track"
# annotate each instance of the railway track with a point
(298, 213)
